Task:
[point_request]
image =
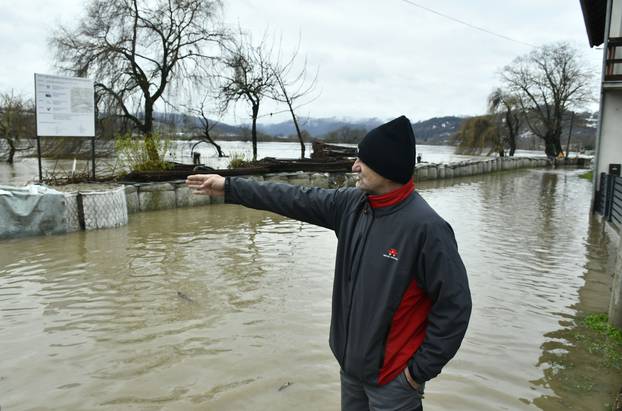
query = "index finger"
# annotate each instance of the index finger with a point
(198, 177)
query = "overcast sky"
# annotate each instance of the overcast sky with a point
(375, 58)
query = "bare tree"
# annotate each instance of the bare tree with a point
(548, 81)
(505, 108)
(206, 125)
(134, 49)
(248, 76)
(17, 122)
(291, 87)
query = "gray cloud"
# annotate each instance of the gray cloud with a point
(376, 59)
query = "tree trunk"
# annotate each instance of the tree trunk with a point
(207, 136)
(512, 131)
(11, 151)
(150, 145)
(254, 130)
(549, 146)
(302, 143)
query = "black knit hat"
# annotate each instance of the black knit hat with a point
(390, 150)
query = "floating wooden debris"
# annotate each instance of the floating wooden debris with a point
(287, 384)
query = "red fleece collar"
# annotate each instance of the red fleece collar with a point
(392, 198)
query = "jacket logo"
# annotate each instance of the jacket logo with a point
(391, 253)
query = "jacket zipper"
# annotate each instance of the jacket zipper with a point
(345, 347)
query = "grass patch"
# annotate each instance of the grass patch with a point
(238, 160)
(609, 341)
(587, 176)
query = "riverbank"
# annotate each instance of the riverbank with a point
(96, 206)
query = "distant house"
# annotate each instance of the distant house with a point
(603, 21)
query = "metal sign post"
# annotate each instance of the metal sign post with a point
(93, 156)
(38, 139)
(64, 107)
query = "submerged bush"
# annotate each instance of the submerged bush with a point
(238, 160)
(134, 156)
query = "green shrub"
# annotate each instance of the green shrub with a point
(133, 154)
(238, 160)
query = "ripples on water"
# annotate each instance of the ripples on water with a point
(217, 307)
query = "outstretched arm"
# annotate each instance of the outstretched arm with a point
(313, 205)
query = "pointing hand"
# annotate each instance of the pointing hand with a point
(206, 184)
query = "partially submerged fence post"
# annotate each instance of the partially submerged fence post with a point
(615, 304)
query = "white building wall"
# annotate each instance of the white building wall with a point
(610, 147)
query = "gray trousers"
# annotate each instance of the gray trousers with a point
(396, 395)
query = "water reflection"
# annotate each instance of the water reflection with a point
(579, 376)
(97, 318)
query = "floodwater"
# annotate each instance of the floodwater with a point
(218, 307)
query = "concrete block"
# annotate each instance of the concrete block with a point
(154, 187)
(185, 198)
(157, 199)
(299, 179)
(432, 172)
(131, 197)
(182, 196)
(441, 171)
(449, 172)
(318, 180)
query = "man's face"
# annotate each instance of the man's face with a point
(369, 181)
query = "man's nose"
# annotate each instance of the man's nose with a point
(356, 166)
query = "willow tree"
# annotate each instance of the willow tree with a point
(478, 134)
(548, 81)
(506, 110)
(135, 49)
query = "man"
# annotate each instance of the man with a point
(401, 300)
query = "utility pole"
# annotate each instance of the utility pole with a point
(569, 134)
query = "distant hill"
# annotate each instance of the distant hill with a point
(437, 130)
(185, 122)
(434, 131)
(317, 127)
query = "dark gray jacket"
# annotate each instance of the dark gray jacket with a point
(368, 286)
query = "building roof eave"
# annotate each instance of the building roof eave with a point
(594, 15)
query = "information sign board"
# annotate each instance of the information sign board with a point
(65, 106)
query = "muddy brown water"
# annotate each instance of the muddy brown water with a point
(218, 307)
